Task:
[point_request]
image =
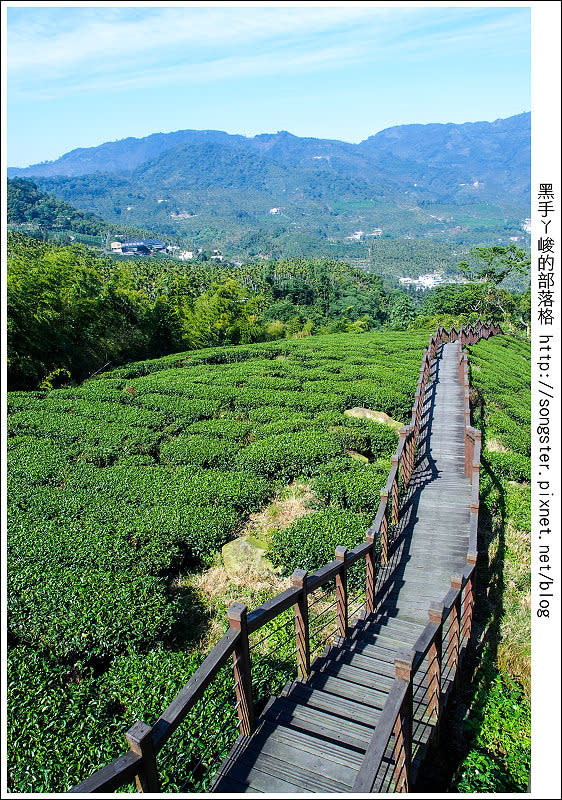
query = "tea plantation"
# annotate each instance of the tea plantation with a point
(121, 486)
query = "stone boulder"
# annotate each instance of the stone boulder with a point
(246, 554)
(375, 416)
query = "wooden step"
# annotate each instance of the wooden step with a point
(321, 724)
(326, 682)
(333, 704)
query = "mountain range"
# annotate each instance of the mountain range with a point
(464, 184)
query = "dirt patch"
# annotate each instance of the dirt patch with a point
(248, 552)
(376, 416)
(218, 590)
(294, 501)
(249, 579)
(357, 456)
(495, 446)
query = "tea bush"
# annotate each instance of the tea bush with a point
(200, 450)
(311, 541)
(288, 455)
(120, 487)
(500, 759)
(512, 466)
(358, 490)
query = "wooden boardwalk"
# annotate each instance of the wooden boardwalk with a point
(313, 738)
(362, 714)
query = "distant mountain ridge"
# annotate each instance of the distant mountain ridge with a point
(456, 183)
(443, 144)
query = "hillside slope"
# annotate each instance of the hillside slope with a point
(123, 490)
(483, 151)
(463, 184)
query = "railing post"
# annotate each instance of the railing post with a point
(299, 578)
(454, 630)
(435, 614)
(411, 453)
(474, 498)
(384, 529)
(466, 613)
(467, 459)
(341, 592)
(237, 618)
(370, 574)
(394, 489)
(476, 454)
(139, 737)
(403, 664)
(404, 468)
(416, 411)
(425, 362)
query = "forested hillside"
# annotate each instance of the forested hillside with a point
(71, 313)
(279, 195)
(44, 216)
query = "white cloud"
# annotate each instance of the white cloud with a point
(229, 68)
(57, 52)
(36, 43)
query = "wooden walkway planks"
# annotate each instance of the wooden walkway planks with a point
(313, 737)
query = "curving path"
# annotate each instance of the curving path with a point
(314, 736)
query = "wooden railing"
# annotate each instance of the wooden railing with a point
(424, 678)
(425, 675)
(442, 641)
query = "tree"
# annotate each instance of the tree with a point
(495, 263)
(401, 310)
(223, 315)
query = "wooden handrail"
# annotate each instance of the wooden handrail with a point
(184, 701)
(378, 743)
(263, 614)
(135, 765)
(111, 777)
(454, 603)
(323, 575)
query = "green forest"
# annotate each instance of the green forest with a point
(71, 312)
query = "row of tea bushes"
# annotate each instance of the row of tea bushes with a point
(500, 372)
(120, 487)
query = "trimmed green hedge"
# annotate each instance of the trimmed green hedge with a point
(121, 486)
(311, 541)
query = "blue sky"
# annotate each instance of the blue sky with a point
(80, 76)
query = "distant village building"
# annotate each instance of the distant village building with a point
(115, 247)
(143, 247)
(276, 210)
(428, 281)
(360, 235)
(216, 255)
(186, 255)
(182, 214)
